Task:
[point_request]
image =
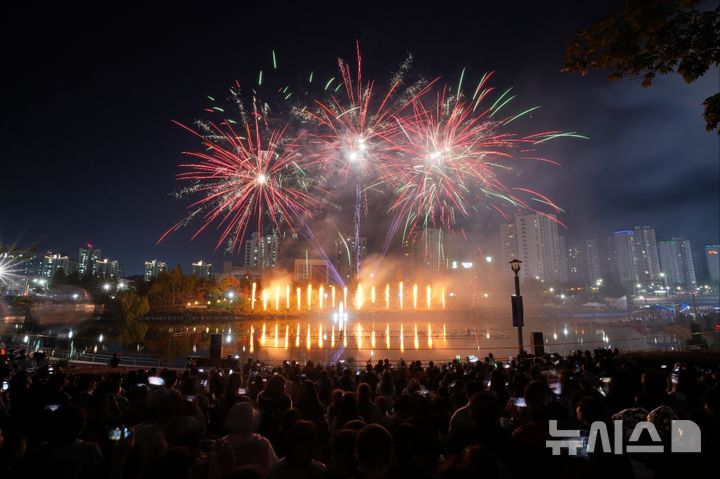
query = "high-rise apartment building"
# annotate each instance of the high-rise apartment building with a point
(538, 247)
(87, 258)
(576, 266)
(677, 264)
(646, 255)
(562, 259)
(621, 252)
(153, 268)
(202, 270)
(508, 242)
(712, 257)
(262, 251)
(593, 261)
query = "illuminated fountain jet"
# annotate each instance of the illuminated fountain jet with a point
(252, 339)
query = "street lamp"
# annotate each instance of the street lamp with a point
(517, 305)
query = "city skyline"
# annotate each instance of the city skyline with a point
(670, 188)
(631, 257)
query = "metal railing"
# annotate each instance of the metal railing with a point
(125, 360)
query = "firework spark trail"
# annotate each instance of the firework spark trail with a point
(358, 205)
(354, 130)
(449, 157)
(244, 177)
(309, 234)
(440, 159)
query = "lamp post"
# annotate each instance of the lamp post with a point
(517, 305)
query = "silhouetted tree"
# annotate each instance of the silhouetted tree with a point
(128, 310)
(60, 277)
(172, 288)
(647, 38)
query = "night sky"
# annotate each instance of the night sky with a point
(89, 153)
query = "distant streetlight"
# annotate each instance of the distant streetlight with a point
(106, 286)
(517, 305)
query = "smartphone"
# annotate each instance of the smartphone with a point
(556, 388)
(190, 398)
(52, 407)
(203, 383)
(5, 386)
(115, 434)
(519, 402)
(156, 381)
(241, 391)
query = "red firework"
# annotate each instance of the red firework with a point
(357, 128)
(241, 178)
(449, 156)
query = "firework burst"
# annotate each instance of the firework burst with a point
(9, 270)
(355, 127)
(438, 158)
(246, 176)
(450, 158)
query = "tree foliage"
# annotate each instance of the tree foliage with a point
(129, 309)
(172, 288)
(649, 38)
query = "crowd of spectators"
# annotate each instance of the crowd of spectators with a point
(460, 419)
